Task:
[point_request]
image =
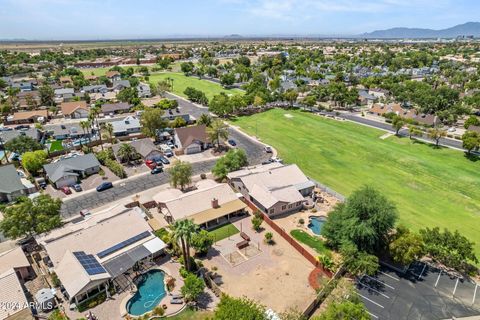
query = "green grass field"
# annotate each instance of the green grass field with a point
(56, 145)
(181, 82)
(313, 242)
(430, 186)
(224, 231)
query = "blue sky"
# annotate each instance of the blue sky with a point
(116, 19)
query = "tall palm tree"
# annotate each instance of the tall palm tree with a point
(94, 112)
(183, 231)
(218, 130)
(126, 152)
(109, 129)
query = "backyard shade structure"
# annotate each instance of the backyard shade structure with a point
(219, 212)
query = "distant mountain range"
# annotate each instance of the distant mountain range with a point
(466, 29)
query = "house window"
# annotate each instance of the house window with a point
(272, 211)
(290, 206)
(298, 203)
(284, 207)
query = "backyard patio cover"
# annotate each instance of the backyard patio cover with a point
(125, 261)
(154, 245)
(214, 213)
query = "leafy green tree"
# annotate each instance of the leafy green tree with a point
(205, 119)
(406, 246)
(129, 95)
(192, 288)
(414, 131)
(202, 241)
(451, 249)
(358, 262)
(257, 221)
(178, 123)
(127, 153)
(364, 219)
(345, 310)
(217, 131)
(397, 123)
(269, 238)
(29, 217)
(220, 105)
(291, 96)
(33, 161)
(239, 308)
(187, 67)
(237, 102)
(152, 122)
(232, 161)
(22, 144)
(47, 95)
(309, 101)
(180, 174)
(195, 95)
(471, 121)
(227, 79)
(471, 141)
(436, 134)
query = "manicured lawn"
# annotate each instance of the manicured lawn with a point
(313, 242)
(56, 145)
(224, 231)
(190, 314)
(96, 71)
(430, 186)
(181, 82)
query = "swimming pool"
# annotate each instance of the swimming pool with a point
(151, 290)
(315, 224)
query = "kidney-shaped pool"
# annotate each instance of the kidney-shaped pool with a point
(150, 291)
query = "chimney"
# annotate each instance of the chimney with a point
(215, 203)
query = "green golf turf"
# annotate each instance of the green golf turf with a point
(430, 186)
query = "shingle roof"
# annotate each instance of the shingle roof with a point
(129, 122)
(12, 292)
(187, 135)
(143, 146)
(67, 167)
(10, 180)
(14, 258)
(112, 107)
(30, 114)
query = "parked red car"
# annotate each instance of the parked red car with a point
(66, 190)
(151, 164)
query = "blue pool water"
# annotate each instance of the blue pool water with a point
(316, 224)
(151, 290)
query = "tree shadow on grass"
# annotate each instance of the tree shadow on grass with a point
(472, 156)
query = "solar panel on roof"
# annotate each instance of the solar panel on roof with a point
(89, 263)
(123, 244)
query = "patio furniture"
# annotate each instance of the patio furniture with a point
(242, 244)
(244, 236)
(176, 301)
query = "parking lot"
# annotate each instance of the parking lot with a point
(423, 292)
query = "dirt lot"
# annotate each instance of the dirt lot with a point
(265, 276)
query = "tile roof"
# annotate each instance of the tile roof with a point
(12, 295)
(70, 107)
(30, 114)
(13, 258)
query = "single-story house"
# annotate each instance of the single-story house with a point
(12, 185)
(119, 107)
(274, 189)
(29, 116)
(64, 94)
(474, 128)
(366, 98)
(100, 96)
(144, 147)
(90, 253)
(380, 109)
(172, 117)
(15, 259)
(191, 139)
(74, 109)
(25, 85)
(378, 93)
(14, 292)
(113, 76)
(33, 133)
(66, 131)
(124, 127)
(208, 207)
(143, 90)
(66, 172)
(66, 80)
(120, 85)
(97, 88)
(26, 98)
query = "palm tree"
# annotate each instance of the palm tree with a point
(109, 128)
(126, 152)
(183, 231)
(205, 119)
(218, 130)
(94, 112)
(85, 125)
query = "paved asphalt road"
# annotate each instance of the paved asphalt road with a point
(141, 183)
(386, 126)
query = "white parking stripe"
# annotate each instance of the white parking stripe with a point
(474, 294)
(378, 304)
(455, 289)
(380, 281)
(421, 273)
(374, 290)
(388, 275)
(436, 282)
(372, 315)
